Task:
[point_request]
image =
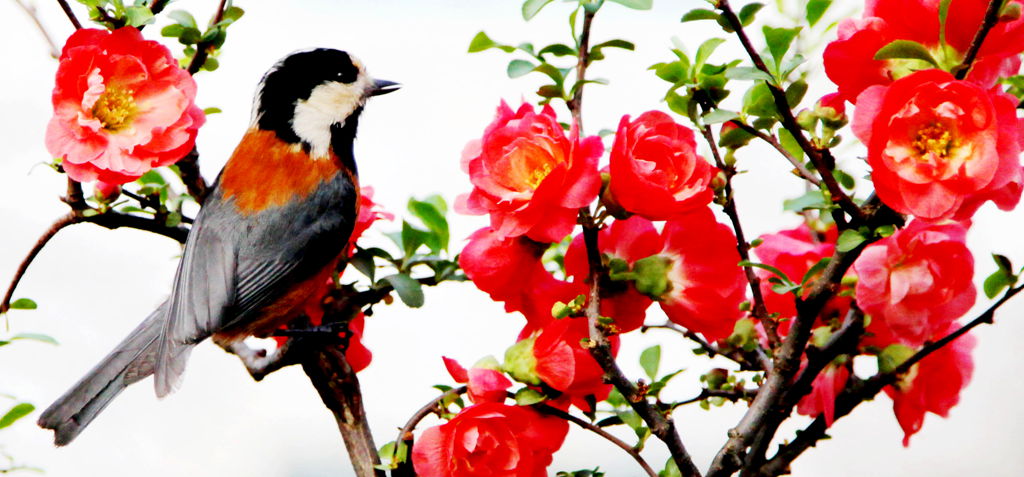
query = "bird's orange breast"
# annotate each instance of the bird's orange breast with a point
(266, 172)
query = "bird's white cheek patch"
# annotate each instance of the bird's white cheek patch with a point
(328, 104)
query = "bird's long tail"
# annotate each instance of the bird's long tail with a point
(132, 360)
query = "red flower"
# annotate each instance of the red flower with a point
(917, 281)
(822, 399)
(706, 284)
(850, 64)
(122, 106)
(510, 271)
(655, 170)
(369, 212)
(482, 384)
(563, 363)
(529, 176)
(938, 147)
(933, 385)
(490, 439)
(626, 240)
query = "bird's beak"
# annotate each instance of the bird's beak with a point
(383, 87)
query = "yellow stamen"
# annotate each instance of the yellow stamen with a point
(936, 140)
(538, 174)
(115, 109)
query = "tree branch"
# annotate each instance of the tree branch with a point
(990, 20)
(71, 15)
(57, 226)
(203, 47)
(406, 436)
(798, 166)
(575, 104)
(545, 409)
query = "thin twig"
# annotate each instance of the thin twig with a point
(32, 12)
(583, 60)
(798, 166)
(71, 15)
(57, 226)
(990, 20)
(203, 47)
(545, 409)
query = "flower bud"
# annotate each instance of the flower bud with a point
(106, 192)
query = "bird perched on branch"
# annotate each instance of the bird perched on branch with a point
(270, 233)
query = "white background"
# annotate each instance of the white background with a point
(94, 285)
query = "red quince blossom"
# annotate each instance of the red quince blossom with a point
(934, 384)
(122, 106)
(490, 440)
(706, 284)
(369, 212)
(627, 240)
(850, 64)
(482, 384)
(939, 147)
(917, 281)
(655, 170)
(822, 398)
(563, 363)
(529, 176)
(509, 269)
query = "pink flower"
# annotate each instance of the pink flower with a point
(934, 384)
(655, 170)
(822, 399)
(482, 384)
(529, 176)
(490, 439)
(369, 212)
(706, 285)
(939, 147)
(122, 106)
(563, 363)
(917, 281)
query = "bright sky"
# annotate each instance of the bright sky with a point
(94, 285)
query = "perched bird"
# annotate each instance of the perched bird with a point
(271, 231)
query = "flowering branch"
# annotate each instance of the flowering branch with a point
(545, 409)
(804, 173)
(990, 20)
(819, 157)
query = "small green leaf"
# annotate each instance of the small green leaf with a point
(943, 15)
(905, 49)
(845, 179)
(813, 199)
(408, 288)
(699, 14)
(892, 357)
(532, 7)
(434, 220)
(232, 14)
(996, 283)
(138, 16)
(790, 144)
(748, 13)
(779, 40)
(173, 30)
(849, 240)
(650, 360)
(747, 73)
(704, 51)
(17, 412)
(719, 116)
(211, 110)
(482, 42)
(183, 18)
(527, 396)
(795, 93)
(636, 4)
(211, 64)
(23, 304)
(775, 271)
(815, 269)
(517, 68)
(35, 337)
(816, 9)
(365, 263)
(557, 49)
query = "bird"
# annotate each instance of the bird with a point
(271, 231)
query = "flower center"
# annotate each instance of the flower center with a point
(115, 108)
(538, 174)
(934, 140)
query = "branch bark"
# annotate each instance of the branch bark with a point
(988, 22)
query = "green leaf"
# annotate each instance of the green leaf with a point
(173, 30)
(552, 72)
(849, 240)
(719, 116)
(747, 73)
(434, 220)
(232, 14)
(482, 42)
(673, 72)
(517, 68)
(650, 360)
(699, 14)
(211, 64)
(532, 7)
(671, 469)
(636, 4)
(795, 93)
(943, 15)
(138, 16)
(790, 144)
(17, 412)
(212, 110)
(815, 269)
(816, 9)
(813, 199)
(527, 396)
(408, 288)
(183, 18)
(35, 337)
(892, 357)
(773, 270)
(558, 49)
(412, 238)
(905, 49)
(748, 13)
(704, 51)
(23, 304)
(779, 40)
(758, 102)
(997, 282)
(365, 263)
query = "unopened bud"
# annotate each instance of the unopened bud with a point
(1010, 12)
(106, 193)
(718, 182)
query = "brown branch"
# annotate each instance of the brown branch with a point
(203, 47)
(406, 436)
(57, 226)
(192, 177)
(31, 11)
(817, 156)
(990, 20)
(758, 309)
(860, 391)
(71, 15)
(732, 395)
(798, 166)
(583, 60)
(545, 409)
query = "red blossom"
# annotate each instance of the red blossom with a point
(529, 176)
(939, 147)
(822, 398)
(490, 439)
(849, 60)
(122, 106)
(706, 284)
(563, 363)
(915, 282)
(934, 384)
(626, 240)
(369, 212)
(655, 170)
(482, 384)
